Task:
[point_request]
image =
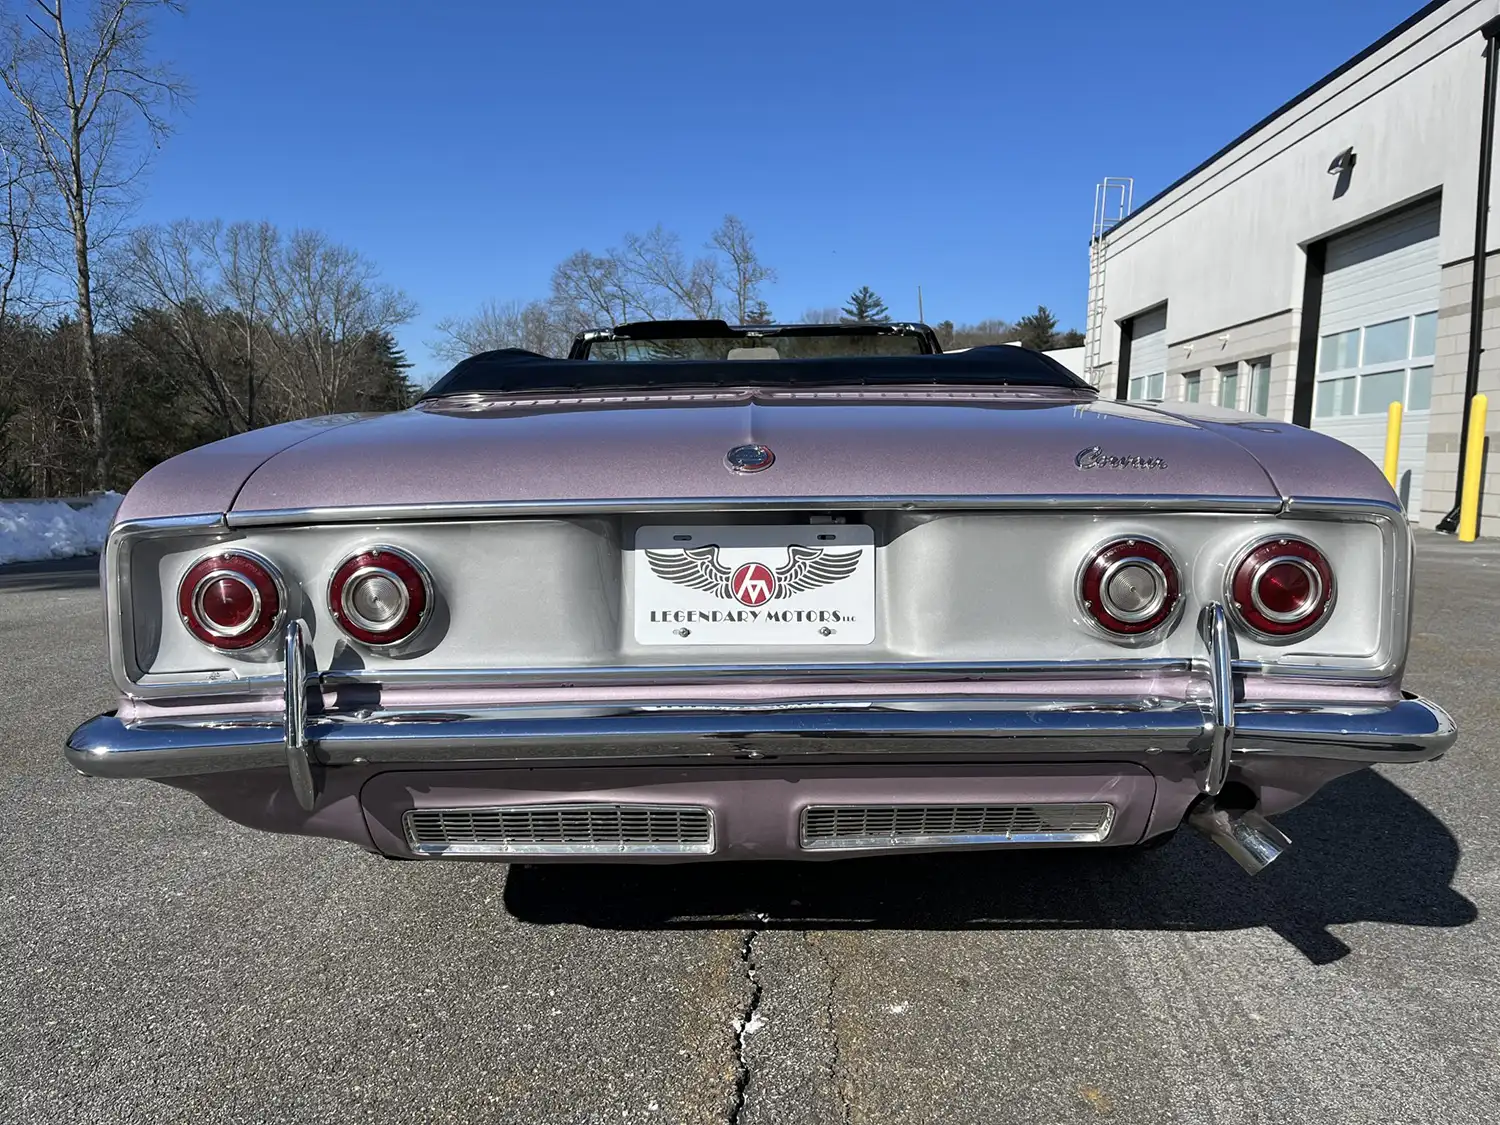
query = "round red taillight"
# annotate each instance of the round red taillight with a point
(1282, 588)
(1129, 587)
(230, 601)
(380, 597)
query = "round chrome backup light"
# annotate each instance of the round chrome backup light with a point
(1133, 589)
(1129, 587)
(374, 599)
(380, 596)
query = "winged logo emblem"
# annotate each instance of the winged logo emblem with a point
(753, 583)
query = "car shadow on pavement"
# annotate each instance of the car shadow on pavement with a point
(1363, 851)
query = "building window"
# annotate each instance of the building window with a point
(1424, 334)
(1192, 386)
(1363, 370)
(1335, 397)
(1146, 386)
(1419, 389)
(1388, 342)
(1339, 351)
(1260, 386)
(1379, 389)
(1229, 386)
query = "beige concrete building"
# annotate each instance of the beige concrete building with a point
(1321, 265)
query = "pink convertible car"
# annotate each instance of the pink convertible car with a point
(701, 592)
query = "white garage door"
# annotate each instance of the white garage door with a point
(1148, 355)
(1377, 334)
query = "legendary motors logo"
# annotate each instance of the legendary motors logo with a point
(752, 584)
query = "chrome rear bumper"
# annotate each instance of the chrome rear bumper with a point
(1212, 729)
(1412, 730)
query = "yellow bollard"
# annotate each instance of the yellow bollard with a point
(1468, 511)
(1392, 442)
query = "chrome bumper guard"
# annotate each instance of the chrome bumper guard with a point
(1411, 730)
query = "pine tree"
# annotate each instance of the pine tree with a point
(385, 369)
(944, 332)
(758, 313)
(865, 307)
(1039, 330)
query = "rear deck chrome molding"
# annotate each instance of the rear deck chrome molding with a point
(1411, 730)
(568, 828)
(385, 513)
(873, 827)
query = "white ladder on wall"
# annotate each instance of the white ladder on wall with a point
(1112, 199)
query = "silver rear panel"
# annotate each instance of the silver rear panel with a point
(912, 826)
(579, 828)
(514, 596)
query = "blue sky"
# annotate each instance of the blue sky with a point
(467, 146)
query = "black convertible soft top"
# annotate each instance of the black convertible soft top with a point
(514, 371)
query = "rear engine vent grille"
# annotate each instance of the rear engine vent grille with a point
(908, 826)
(567, 829)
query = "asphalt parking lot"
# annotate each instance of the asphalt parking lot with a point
(158, 963)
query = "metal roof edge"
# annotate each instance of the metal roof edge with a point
(1404, 26)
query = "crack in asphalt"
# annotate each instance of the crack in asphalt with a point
(745, 1025)
(830, 1026)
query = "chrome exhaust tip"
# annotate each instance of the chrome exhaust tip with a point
(1251, 840)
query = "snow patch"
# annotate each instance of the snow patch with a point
(32, 530)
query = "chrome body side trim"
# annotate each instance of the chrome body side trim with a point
(1412, 730)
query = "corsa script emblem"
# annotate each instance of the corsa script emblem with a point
(749, 458)
(753, 583)
(1095, 458)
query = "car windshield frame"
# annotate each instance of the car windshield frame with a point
(669, 335)
(513, 371)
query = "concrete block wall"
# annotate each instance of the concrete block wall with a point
(1448, 376)
(1274, 336)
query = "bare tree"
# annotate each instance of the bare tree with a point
(508, 324)
(246, 257)
(821, 316)
(659, 279)
(87, 93)
(169, 281)
(746, 272)
(19, 220)
(587, 292)
(647, 277)
(324, 301)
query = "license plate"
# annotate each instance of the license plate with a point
(752, 584)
